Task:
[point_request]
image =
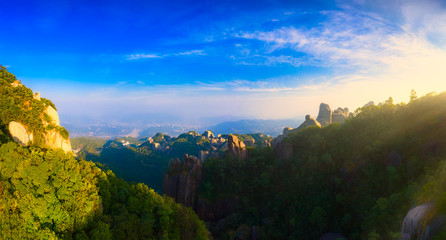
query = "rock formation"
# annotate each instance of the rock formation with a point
(208, 134)
(52, 137)
(309, 121)
(325, 115)
(340, 114)
(20, 134)
(287, 131)
(421, 224)
(52, 113)
(182, 180)
(249, 142)
(237, 148)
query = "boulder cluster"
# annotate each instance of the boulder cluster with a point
(220, 144)
(326, 116)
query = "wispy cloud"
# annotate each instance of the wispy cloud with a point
(137, 56)
(192, 52)
(141, 56)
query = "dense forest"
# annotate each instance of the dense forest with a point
(46, 193)
(147, 159)
(358, 179)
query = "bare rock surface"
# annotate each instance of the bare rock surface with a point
(309, 121)
(237, 148)
(325, 115)
(19, 133)
(340, 114)
(52, 113)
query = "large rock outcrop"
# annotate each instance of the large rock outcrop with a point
(208, 134)
(20, 134)
(54, 139)
(46, 133)
(309, 121)
(421, 224)
(52, 114)
(324, 117)
(340, 114)
(182, 180)
(237, 148)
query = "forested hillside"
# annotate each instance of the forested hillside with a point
(358, 179)
(45, 193)
(146, 160)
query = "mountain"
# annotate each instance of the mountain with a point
(94, 128)
(268, 127)
(146, 160)
(379, 173)
(45, 193)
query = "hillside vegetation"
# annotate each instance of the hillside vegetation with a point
(146, 160)
(359, 178)
(46, 193)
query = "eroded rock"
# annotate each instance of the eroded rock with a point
(237, 148)
(325, 115)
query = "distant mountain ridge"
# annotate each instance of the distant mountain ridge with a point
(272, 127)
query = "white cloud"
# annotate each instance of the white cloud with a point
(192, 52)
(141, 56)
(371, 59)
(197, 52)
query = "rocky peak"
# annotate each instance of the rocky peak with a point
(237, 148)
(309, 121)
(182, 180)
(325, 115)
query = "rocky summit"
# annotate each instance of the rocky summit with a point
(325, 116)
(309, 121)
(237, 148)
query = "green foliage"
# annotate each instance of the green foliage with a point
(48, 194)
(45, 193)
(359, 178)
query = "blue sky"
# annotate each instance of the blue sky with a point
(191, 61)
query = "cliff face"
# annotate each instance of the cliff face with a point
(30, 118)
(52, 137)
(182, 180)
